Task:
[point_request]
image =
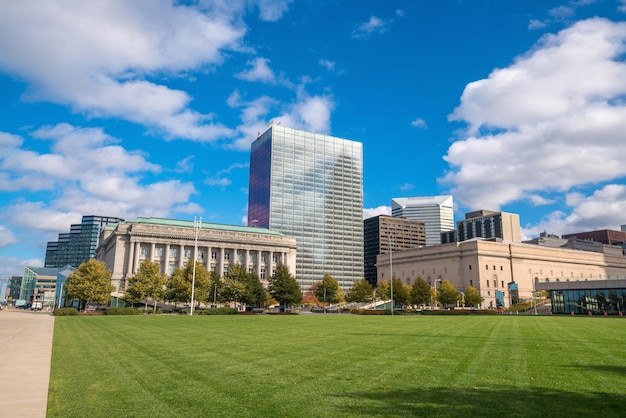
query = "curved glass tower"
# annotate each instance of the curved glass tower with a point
(310, 186)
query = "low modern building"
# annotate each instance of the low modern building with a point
(587, 297)
(171, 243)
(14, 287)
(39, 284)
(502, 271)
(387, 233)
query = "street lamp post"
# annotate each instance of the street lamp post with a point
(534, 300)
(391, 272)
(436, 280)
(196, 227)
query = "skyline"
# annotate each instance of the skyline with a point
(133, 108)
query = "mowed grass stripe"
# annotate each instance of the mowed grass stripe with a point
(337, 365)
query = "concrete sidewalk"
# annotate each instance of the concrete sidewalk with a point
(25, 353)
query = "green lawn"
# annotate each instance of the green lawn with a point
(338, 366)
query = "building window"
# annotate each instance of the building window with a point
(213, 255)
(174, 252)
(471, 283)
(187, 253)
(502, 283)
(226, 255)
(470, 266)
(501, 268)
(144, 251)
(158, 251)
(201, 255)
(494, 267)
(486, 267)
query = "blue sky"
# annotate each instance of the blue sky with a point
(147, 108)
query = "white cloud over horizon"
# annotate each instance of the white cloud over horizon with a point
(110, 72)
(552, 122)
(77, 180)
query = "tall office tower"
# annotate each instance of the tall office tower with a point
(310, 186)
(437, 212)
(80, 244)
(489, 224)
(383, 233)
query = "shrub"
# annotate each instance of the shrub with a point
(520, 307)
(66, 312)
(216, 311)
(122, 311)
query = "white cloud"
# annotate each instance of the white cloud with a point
(622, 7)
(55, 49)
(260, 71)
(419, 123)
(6, 237)
(78, 180)
(604, 209)
(272, 10)
(380, 210)
(536, 24)
(311, 113)
(562, 12)
(406, 186)
(553, 120)
(11, 266)
(374, 25)
(329, 65)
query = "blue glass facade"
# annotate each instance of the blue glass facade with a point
(310, 186)
(596, 301)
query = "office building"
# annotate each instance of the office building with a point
(387, 233)
(79, 245)
(503, 272)
(604, 236)
(310, 186)
(39, 284)
(489, 224)
(171, 243)
(437, 213)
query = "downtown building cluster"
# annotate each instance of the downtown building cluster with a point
(305, 210)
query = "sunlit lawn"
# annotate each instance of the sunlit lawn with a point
(320, 365)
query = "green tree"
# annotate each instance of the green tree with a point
(243, 287)
(327, 290)
(421, 292)
(90, 282)
(472, 297)
(148, 282)
(284, 288)
(401, 293)
(383, 290)
(361, 291)
(179, 286)
(447, 294)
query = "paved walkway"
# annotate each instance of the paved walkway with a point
(25, 352)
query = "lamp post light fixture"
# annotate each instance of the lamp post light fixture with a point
(196, 227)
(391, 273)
(436, 280)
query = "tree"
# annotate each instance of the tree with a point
(447, 294)
(327, 290)
(148, 282)
(179, 286)
(472, 297)
(284, 288)
(243, 287)
(421, 292)
(90, 282)
(401, 293)
(383, 290)
(361, 291)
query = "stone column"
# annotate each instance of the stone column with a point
(166, 258)
(152, 249)
(131, 257)
(181, 255)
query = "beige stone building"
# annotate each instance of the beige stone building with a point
(171, 243)
(491, 265)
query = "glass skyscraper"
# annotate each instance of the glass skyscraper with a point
(80, 244)
(310, 186)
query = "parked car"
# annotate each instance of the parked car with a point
(37, 306)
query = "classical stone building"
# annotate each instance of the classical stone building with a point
(500, 270)
(171, 243)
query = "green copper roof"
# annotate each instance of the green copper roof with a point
(204, 225)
